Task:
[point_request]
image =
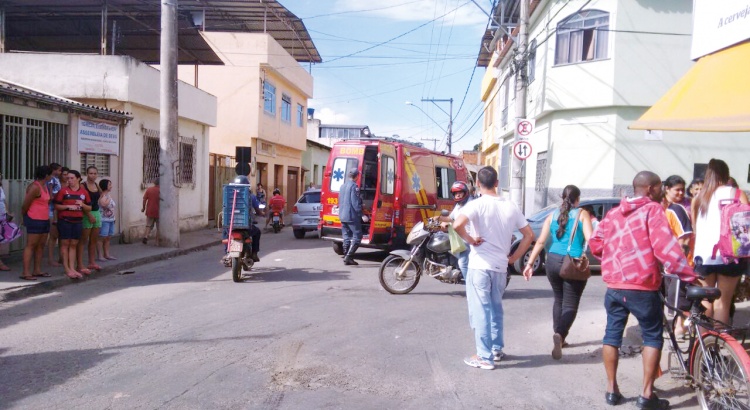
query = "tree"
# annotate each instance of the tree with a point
(478, 147)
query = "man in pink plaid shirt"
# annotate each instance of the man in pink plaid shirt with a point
(633, 242)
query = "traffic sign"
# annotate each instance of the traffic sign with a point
(522, 150)
(524, 127)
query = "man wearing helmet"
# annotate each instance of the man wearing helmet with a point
(461, 196)
(253, 230)
(277, 204)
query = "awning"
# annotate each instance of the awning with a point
(713, 96)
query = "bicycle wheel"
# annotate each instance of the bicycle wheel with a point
(721, 374)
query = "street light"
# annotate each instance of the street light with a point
(449, 131)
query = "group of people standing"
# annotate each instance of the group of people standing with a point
(60, 206)
(666, 229)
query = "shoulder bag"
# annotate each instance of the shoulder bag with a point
(575, 268)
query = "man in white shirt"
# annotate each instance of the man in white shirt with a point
(493, 220)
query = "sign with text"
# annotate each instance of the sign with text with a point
(719, 24)
(98, 137)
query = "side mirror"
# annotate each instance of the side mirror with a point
(444, 212)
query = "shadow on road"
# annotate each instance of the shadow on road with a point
(279, 274)
(39, 372)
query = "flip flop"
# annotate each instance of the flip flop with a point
(94, 266)
(27, 277)
(112, 258)
(42, 275)
(4, 268)
(74, 277)
(84, 271)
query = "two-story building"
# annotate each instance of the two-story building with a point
(592, 68)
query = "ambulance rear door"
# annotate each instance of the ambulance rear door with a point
(382, 214)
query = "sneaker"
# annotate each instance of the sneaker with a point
(557, 349)
(497, 356)
(476, 361)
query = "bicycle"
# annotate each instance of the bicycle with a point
(717, 364)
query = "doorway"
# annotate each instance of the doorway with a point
(292, 188)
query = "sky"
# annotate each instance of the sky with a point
(378, 55)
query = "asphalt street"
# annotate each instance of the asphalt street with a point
(303, 332)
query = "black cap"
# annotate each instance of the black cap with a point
(353, 172)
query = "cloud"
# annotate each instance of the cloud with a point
(416, 10)
(329, 116)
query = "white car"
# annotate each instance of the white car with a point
(306, 213)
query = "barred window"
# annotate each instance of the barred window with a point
(187, 160)
(26, 143)
(150, 155)
(100, 161)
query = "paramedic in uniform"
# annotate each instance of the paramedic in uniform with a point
(350, 215)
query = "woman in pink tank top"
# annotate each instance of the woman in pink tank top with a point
(35, 210)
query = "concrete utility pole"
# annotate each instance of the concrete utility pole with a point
(169, 145)
(517, 167)
(434, 142)
(450, 118)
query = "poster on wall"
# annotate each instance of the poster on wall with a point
(98, 137)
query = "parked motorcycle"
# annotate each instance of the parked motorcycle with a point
(430, 254)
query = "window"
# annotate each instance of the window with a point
(504, 173)
(26, 143)
(532, 61)
(300, 115)
(150, 156)
(387, 174)
(269, 98)
(286, 108)
(541, 172)
(310, 198)
(582, 37)
(100, 161)
(341, 167)
(445, 179)
(506, 96)
(187, 160)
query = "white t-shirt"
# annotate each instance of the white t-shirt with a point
(494, 219)
(457, 211)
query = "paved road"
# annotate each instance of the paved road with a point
(303, 332)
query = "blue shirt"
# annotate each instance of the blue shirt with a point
(350, 203)
(560, 246)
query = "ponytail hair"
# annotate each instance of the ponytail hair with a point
(570, 195)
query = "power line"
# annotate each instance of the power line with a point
(360, 11)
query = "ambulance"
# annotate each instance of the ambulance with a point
(400, 183)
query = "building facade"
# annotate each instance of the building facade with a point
(262, 94)
(592, 68)
(127, 85)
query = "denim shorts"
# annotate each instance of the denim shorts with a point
(108, 229)
(646, 306)
(36, 226)
(69, 230)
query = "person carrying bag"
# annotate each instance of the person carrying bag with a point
(567, 268)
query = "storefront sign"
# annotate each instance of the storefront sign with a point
(98, 137)
(719, 24)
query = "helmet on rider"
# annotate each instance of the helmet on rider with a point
(460, 192)
(277, 191)
(241, 179)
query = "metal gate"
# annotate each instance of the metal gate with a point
(26, 143)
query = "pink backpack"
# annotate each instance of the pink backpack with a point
(734, 239)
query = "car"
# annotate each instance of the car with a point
(600, 207)
(306, 213)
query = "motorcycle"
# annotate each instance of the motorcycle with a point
(430, 254)
(276, 221)
(238, 240)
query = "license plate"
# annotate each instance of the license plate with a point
(235, 246)
(313, 221)
(276, 219)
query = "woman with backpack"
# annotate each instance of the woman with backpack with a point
(707, 215)
(569, 220)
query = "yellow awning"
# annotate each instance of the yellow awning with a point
(713, 96)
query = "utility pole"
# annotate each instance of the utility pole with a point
(434, 142)
(518, 166)
(169, 156)
(450, 118)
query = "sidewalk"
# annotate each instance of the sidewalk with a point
(128, 256)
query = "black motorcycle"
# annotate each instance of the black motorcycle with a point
(430, 254)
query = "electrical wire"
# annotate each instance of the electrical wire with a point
(360, 11)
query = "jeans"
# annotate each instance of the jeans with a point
(484, 295)
(567, 295)
(646, 306)
(463, 262)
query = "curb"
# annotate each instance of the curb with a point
(15, 294)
